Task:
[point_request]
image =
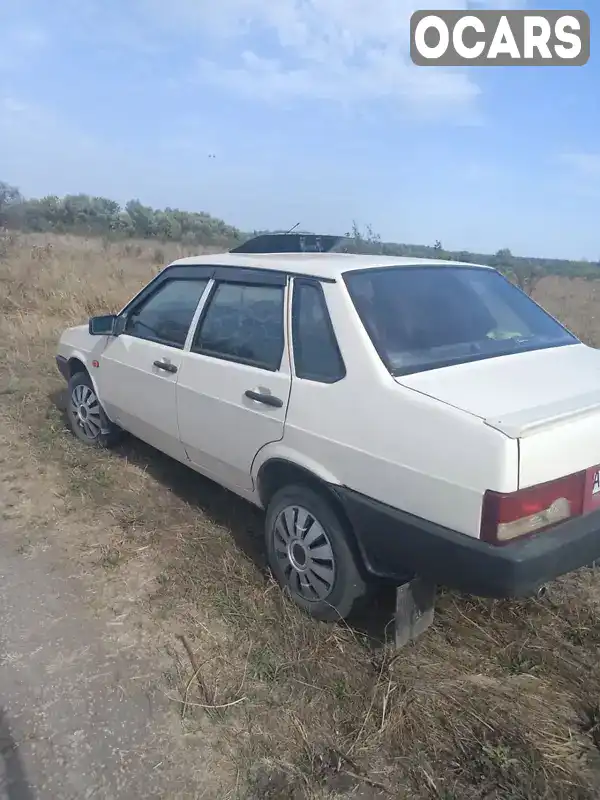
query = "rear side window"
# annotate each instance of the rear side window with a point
(244, 323)
(316, 353)
(166, 316)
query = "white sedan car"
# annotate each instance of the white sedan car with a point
(395, 417)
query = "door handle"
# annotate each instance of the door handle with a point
(267, 399)
(166, 366)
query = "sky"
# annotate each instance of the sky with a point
(314, 114)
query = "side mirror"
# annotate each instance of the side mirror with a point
(103, 326)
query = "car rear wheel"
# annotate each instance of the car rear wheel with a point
(310, 555)
(86, 416)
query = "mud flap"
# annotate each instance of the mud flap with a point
(415, 604)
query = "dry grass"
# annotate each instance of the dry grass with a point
(498, 700)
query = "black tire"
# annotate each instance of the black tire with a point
(334, 592)
(90, 424)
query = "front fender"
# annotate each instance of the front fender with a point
(76, 344)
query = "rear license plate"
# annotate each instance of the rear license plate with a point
(591, 497)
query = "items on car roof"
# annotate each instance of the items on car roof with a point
(290, 243)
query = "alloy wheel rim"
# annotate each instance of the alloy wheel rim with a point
(305, 554)
(85, 410)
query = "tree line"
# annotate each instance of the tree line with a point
(89, 215)
(100, 216)
(524, 271)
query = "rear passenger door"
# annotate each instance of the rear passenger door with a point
(316, 353)
(321, 403)
(234, 383)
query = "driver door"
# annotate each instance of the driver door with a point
(138, 370)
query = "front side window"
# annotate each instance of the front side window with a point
(166, 316)
(427, 317)
(244, 323)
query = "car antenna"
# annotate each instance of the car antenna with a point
(292, 228)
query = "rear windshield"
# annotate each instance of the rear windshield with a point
(421, 318)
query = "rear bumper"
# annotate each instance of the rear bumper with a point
(63, 366)
(397, 546)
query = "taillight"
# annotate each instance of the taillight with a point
(508, 516)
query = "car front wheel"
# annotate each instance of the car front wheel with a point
(86, 416)
(310, 555)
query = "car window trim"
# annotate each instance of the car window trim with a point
(206, 295)
(147, 296)
(221, 271)
(234, 280)
(298, 283)
(165, 275)
(266, 275)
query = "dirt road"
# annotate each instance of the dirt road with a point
(80, 717)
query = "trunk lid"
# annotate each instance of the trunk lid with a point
(548, 399)
(520, 392)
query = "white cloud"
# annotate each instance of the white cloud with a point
(585, 165)
(351, 51)
(10, 107)
(381, 77)
(19, 45)
(30, 38)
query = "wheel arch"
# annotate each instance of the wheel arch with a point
(276, 473)
(76, 364)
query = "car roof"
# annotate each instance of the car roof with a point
(320, 265)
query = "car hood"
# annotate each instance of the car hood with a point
(521, 391)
